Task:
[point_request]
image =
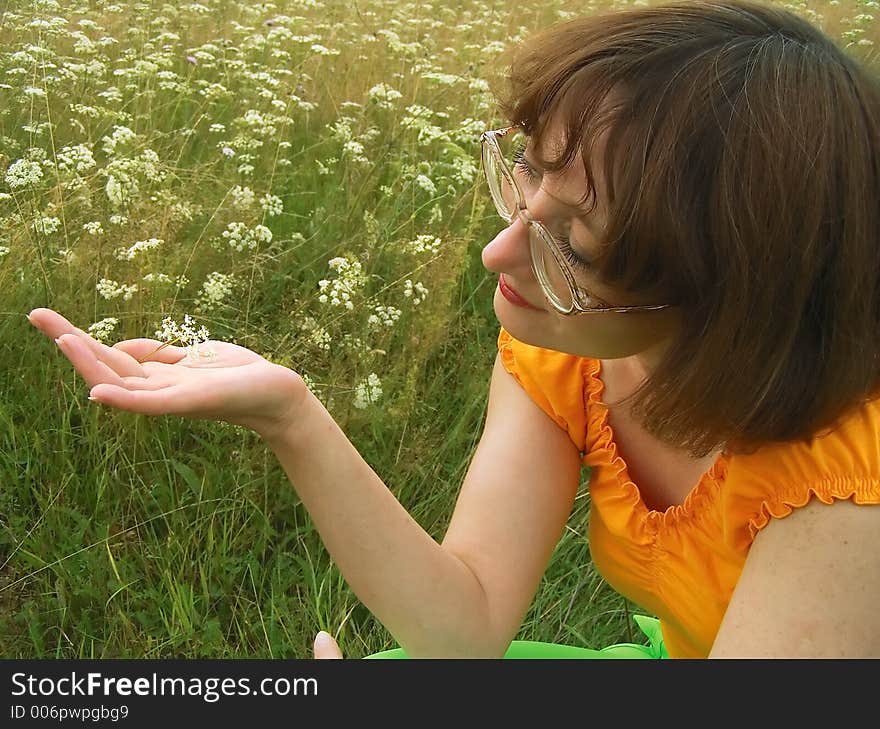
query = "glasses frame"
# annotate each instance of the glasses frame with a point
(489, 146)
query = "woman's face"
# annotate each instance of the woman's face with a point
(519, 301)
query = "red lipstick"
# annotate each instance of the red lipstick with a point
(512, 296)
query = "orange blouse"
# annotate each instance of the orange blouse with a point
(682, 564)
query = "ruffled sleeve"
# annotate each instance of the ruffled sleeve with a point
(781, 477)
(553, 380)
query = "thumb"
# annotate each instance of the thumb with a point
(326, 647)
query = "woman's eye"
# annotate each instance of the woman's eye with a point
(522, 166)
(578, 263)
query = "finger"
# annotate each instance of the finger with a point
(53, 325)
(167, 400)
(140, 349)
(123, 364)
(325, 646)
(81, 356)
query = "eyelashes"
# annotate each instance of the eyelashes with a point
(522, 166)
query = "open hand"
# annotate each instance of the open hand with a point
(235, 385)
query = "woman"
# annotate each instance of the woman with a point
(689, 295)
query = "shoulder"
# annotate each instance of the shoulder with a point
(780, 478)
(809, 587)
(557, 382)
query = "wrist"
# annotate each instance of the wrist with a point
(297, 417)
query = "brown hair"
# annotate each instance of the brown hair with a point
(743, 186)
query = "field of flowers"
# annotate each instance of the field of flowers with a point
(299, 177)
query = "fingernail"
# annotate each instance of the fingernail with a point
(27, 316)
(323, 639)
(58, 341)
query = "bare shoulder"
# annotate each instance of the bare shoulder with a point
(810, 587)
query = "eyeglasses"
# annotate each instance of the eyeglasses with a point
(553, 272)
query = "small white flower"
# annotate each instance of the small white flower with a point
(23, 173)
(367, 391)
(128, 254)
(93, 228)
(271, 205)
(186, 335)
(101, 330)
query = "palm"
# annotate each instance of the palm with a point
(235, 385)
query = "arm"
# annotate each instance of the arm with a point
(466, 597)
(810, 587)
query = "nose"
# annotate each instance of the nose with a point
(508, 252)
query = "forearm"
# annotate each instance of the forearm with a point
(427, 598)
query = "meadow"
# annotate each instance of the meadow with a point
(298, 177)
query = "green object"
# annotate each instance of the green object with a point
(537, 650)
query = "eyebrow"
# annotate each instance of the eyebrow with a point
(584, 216)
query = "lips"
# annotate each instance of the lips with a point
(512, 295)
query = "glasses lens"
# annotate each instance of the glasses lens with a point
(503, 194)
(548, 271)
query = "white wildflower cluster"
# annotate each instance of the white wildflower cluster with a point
(415, 291)
(216, 288)
(110, 289)
(354, 151)
(368, 391)
(120, 137)
(101, 330)
(419, 118)
(383, 96)
(339, 291)
(46, 225)
(4, 251)
(240, 237)
(23, 173)
(93, 227)
(121, 189)
(320, 50)
(242, 197)
(463, 170)
(271, 205)
(384, 316)
(318, 336)
(129, 254)
(426, 183)
(150, 166)
(442, 79)
(302, 104)
(217, 128)
(118, 219)
(424, 244)
(75, 159)
(123, 184)
(186, 335)
(342, 129)
(265, 125)
(180, 281)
